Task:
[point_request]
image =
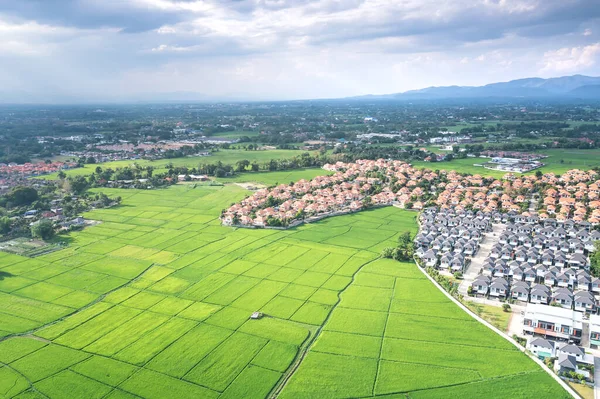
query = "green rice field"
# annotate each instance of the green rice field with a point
(154, 302)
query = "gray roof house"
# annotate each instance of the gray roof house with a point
(596, 285)
(577, 260)
(550, 279)
(517, 274)
(530, 274)
(560, 259)
(572, 350)
(481, 285)
(520, 291)
(564, 297)
(541, 347)
(540, 294)
(445, 260)
(563, 280)
(499, 288)
(565, 363)
(430, 258)
(585, 301)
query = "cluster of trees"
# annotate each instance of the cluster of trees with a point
(403, 252)
(70, 195)
(595, 261)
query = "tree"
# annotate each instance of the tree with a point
(43, 229)
(405, 239)
(254, 167)
(241, 165)
(62, 175)
(595, 260)
(5, 224)
(387, 252)
(78, 184)
(272, 165)
(20, 196)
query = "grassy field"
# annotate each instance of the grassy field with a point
(237, 134)
(558, 161)
(228, 157)
(466, 165)
(493, 314)
(271, 178)
(583, 390)
(155, 301)
(561, 160)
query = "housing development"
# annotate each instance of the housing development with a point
(299, 250)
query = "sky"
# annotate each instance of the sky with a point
(148, 50)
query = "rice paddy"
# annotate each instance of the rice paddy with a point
(155, 301)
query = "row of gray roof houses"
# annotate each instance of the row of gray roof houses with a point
(503, 288)
(446, 239)
(541, 264)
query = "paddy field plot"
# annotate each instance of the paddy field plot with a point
(155, 301)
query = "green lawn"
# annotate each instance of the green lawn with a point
(155, 301)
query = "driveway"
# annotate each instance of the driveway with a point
(489, 240)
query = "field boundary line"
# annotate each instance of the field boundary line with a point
(400, 361)
(503, 335)
(387, 319)
(31, 384)
(99, 299)
(287, 375)
(407, 393)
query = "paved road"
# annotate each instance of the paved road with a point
(489, 240)
(597, 378)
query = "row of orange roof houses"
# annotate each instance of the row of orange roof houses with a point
(34, 169)
(575, 194)
(346, 190)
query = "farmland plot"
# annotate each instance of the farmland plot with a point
(155, 302)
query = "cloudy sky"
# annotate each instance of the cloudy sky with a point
(120, 50)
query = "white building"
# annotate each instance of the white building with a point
(594, 331)
(553, 322)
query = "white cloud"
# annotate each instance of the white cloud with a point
(571, 59)
(290, 48)
(164, 48)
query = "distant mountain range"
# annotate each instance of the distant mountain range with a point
(576, 86)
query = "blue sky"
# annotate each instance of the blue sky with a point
(123, 50)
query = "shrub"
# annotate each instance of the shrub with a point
(506, 307)
(521, 341)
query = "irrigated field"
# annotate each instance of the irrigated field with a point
(155, 303)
